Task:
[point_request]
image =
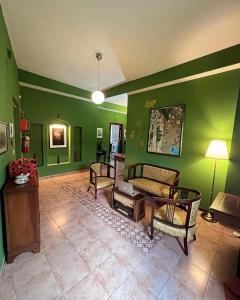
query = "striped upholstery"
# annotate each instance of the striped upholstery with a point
(159, 174)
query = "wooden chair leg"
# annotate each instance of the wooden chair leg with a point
(194, 237)
(152, 227)
(185, 246)
(88, 188)
(152, 231)
(95, 195)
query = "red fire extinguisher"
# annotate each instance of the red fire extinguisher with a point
(25, 144)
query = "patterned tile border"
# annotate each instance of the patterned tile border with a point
(133, 232)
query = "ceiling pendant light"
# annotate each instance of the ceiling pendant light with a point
(98, 96)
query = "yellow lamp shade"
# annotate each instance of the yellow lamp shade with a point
(217, 149)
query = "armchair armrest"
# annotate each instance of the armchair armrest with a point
(93, 176)
(176, 180)
(132, 171)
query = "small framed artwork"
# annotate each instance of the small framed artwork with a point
(165, 130)
(58, 136)
(99, 133)
(3, 137)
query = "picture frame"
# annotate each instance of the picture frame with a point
(166, 130)
(3, 137)
(99, 133)
(57, 136)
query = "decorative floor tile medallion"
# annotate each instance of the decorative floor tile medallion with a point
(135, 233)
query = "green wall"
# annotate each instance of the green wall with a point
(232, 182)
(210, 105)
(48, 108)
(8, 89)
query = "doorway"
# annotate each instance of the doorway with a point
(115, 139)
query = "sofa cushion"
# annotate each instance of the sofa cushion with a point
(160, 174)
(150, 186)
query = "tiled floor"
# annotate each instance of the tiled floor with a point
(82, 258)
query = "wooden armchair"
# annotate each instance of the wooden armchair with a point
(101, 175)
(177, 216)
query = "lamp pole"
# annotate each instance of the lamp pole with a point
(213, 181)
(207, 215)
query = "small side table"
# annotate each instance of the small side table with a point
(130, 207)
(226, 210)
(118, 157)
(101, 153)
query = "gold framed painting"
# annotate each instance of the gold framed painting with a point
(166, 130)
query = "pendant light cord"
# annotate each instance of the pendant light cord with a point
(98, 75)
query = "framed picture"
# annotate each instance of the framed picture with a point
(165, 130)
(58, 136)
(99, 133)
(3, 137)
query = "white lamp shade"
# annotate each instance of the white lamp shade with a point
(217, 149)
(98, 97)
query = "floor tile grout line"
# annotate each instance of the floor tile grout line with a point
(198, 294)
(169, 276)
(90, 272)
(63, 292)
(209, 278)
(198, 267)
(35, 278)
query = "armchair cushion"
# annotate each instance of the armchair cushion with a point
(103, 182)
(153, 187)
(179, 232)
(179, 215)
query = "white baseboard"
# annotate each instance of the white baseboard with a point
(62, 174)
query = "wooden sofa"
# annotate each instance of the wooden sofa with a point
(153, 179)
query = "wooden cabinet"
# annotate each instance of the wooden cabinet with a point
(22, 224)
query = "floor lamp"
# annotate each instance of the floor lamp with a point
(217, 149)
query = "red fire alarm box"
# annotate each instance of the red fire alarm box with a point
(24, 125)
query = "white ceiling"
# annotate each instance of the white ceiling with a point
(119, 99)
(58, 38)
